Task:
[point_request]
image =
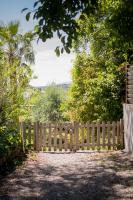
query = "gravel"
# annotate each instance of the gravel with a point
(71, 176)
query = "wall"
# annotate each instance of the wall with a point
(128, 127)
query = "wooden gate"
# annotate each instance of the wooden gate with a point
(72, 136)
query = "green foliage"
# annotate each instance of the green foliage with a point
(47, 104)
(61, 17)
(103, 45)
(15, 53)
(9, 140)
(96, 93)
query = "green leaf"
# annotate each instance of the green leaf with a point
(62, 50)
(67, 49)
(57, 51)
(24, 9)
(35, 4)
(36, 29)
(63, 39)
(28, 16)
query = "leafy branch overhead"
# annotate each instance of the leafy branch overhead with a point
(59, 17)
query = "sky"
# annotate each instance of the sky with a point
(48, 67)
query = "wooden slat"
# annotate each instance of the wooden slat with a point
(71, 138)
(129, 86)
(66, 139)
(88, 136)
(129, 81)
(118, 133)
(93, 136)
(121, 132)
(44, 135)
(98, 134)
(55, 137)
(22, 124)
(130, 91)
(108, 131)
(82, 137)
(34, 135)
(114, 134)
(130, 95)
(130, 73)
(49, 137)
(40, 136)
(130, 68)
(36, 131)
(129, 100)
(103, 133)
(60, 137)
(29, 133)
(76, 134)
(130, 78)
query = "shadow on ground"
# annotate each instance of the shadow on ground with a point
(92, 176)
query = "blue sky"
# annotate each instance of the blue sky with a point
(48, 67)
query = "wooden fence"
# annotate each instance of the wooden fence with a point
(72, 136)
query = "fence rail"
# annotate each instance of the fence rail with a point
(72, 136)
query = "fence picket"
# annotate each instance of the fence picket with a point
(93, 136)
(103, 134)
(55, 137)
(29, 133)
(49, 137)
(108, 132)
(82, 137)
(121, 132)
(71, 137)
(40, 136)
(98, 135)
(118, 133)
(88, 136)
(114, 134)
(60, 137)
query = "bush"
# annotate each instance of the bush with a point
(9, 140)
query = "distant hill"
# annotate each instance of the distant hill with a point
(62, 85)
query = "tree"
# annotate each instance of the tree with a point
(61, 17)
(16, 52)
(96, 93)
(48, 105)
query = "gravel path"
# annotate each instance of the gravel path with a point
(71, 176)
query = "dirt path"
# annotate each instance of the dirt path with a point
(71, 176)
